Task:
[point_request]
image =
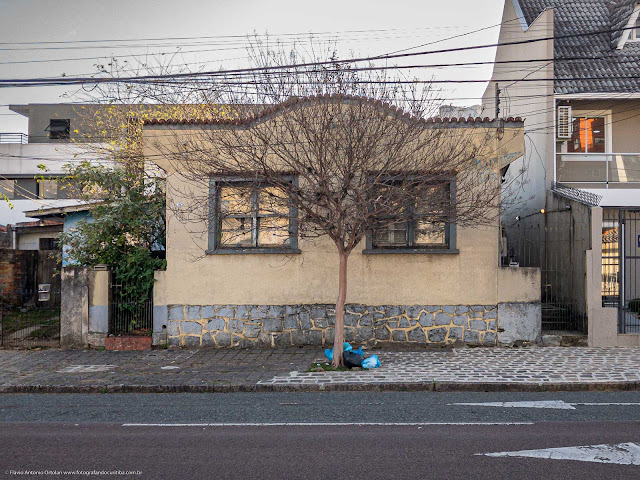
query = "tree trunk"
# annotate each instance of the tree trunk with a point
(338, 338)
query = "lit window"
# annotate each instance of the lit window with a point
(587, 135)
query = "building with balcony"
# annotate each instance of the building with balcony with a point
(572, 70)
(32, 165)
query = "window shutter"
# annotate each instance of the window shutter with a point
(564, 122)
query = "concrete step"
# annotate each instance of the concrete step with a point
(565, 340)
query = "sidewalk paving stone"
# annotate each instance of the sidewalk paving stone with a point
(286, 368)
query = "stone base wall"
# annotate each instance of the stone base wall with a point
(271, 325)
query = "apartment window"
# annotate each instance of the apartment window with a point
(49, 244)
(59, 128)
(250, 218)
(48, 188)
(587, 135)
(26, 188)
(31, 188)
(420, 224)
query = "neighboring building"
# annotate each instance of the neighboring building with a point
(31, 169)
(457, 293)
(453, 111)
(579, 91)
(56, 138)
(67, 218)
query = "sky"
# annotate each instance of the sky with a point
(359, 28)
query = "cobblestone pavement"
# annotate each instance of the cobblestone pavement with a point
(489, 365)
(181, 369)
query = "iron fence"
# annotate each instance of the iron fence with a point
(13, 137)
(556, 243)
(621, 266)
(130, 314)
(31, 319)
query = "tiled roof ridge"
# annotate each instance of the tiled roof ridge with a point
(298, 101)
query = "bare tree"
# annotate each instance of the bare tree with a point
(325, 150)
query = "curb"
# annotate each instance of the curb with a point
(335, 387)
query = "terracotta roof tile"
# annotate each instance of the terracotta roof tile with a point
(295, 101)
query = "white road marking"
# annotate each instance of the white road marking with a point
(553, 404)
(86, 368)
(621, 454)
(321, 424)
(169, 367)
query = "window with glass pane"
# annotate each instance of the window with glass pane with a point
(48, 189)
(7, 189)
(421, 223)
(635, 32)
(587, 135)
(236, 219)
(250, 216)
(26, 188)
(610, 264)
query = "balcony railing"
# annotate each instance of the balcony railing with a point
(12, 137)
(604, 168)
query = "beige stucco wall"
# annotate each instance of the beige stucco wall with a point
(625, 125)
(99, 287)
(520, 284)
(469, 277)
(312, 276)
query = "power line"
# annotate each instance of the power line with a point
(268, 35)
(81, 80)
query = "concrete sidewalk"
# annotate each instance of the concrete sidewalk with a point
(286, 369)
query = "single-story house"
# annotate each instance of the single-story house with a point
(457, 292)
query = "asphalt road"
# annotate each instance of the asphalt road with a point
(418, 436)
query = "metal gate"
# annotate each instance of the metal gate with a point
(130, 314)
(621, 266)
(31, 319)
(555, 243)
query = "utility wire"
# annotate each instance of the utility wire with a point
(93, 80)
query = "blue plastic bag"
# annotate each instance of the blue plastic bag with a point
(372, 362)
(346, 347)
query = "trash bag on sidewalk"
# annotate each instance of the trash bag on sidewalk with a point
(372, 362)
(346, 347)
(354, 358)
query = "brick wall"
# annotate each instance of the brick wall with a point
(17, 274)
